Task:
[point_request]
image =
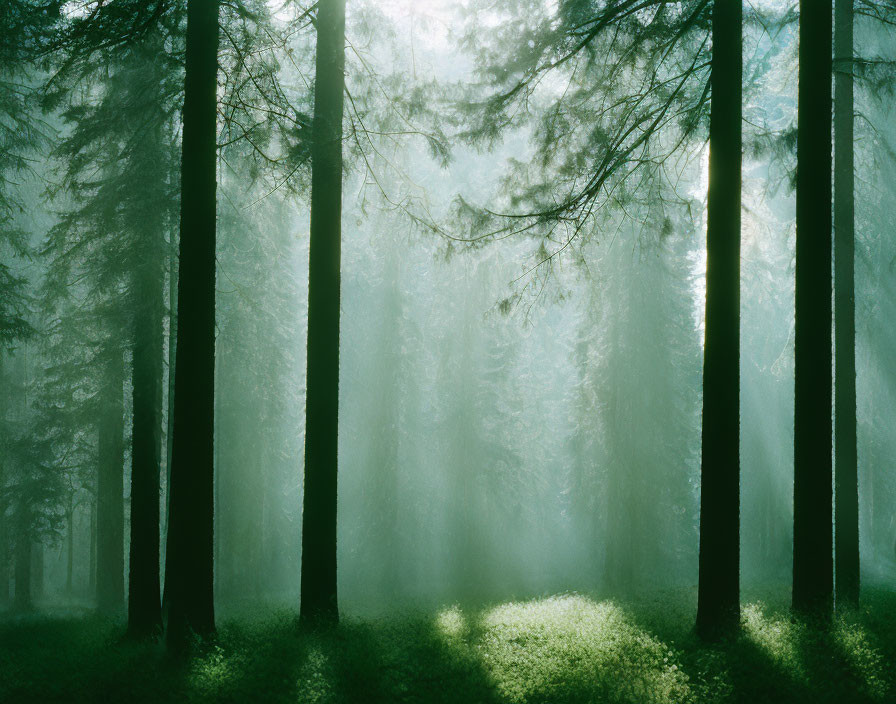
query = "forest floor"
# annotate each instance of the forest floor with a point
(561, 649)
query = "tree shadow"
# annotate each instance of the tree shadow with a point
(562, 650)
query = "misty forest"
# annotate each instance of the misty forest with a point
(464, 351)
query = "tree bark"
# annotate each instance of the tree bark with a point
(718, 600)
(189, 579)
(846, 480)
(813, 562)
(169, 428)
(144, 597)
(110, 493)
(148, 287)
(319, 596)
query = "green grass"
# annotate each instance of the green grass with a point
(561, 649)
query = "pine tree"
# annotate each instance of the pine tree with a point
(319, 595)
(189, 568)
(846, 510)
(813, 567)
(110, 589)
(718, 601)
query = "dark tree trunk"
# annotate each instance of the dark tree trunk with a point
(172, 344)
(110, 493)
(813, 559)
(189, 579)
(846, 480)
(147, 279)
(144, 598)
(718, 601)
(169, 428)
(319, 599)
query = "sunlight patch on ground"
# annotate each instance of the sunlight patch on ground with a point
(564, 650)
(211, 674)
(866, 661)
(544, 650)
(313, 682)
(775, 635)
(450, 622)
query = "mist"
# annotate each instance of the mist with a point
(513, 287)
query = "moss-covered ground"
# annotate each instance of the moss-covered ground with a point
(567, 648)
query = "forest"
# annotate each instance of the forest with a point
(528, 351)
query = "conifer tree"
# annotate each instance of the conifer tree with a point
(319, 594)
(813, 558)
(718, 602)
(846, 510)
(189, 568)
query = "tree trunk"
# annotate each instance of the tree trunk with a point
(846, 496)
(144, 598)
(189, 579)
(813, 562)
(144, 594)
(319, 597)
(718, 600)
(110, 493)
(169, 428)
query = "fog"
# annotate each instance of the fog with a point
(519, 415)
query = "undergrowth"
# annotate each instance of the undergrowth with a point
(561, 649)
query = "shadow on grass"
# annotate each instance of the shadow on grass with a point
(562, 650)
(778, 659)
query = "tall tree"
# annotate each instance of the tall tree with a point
(144, 599)
(718, 600)
(813, 559)
(319, 595)
(125, 126)
(110, 489)
(846, 495)
(189, 568)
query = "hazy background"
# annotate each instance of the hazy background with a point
(509, 429)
